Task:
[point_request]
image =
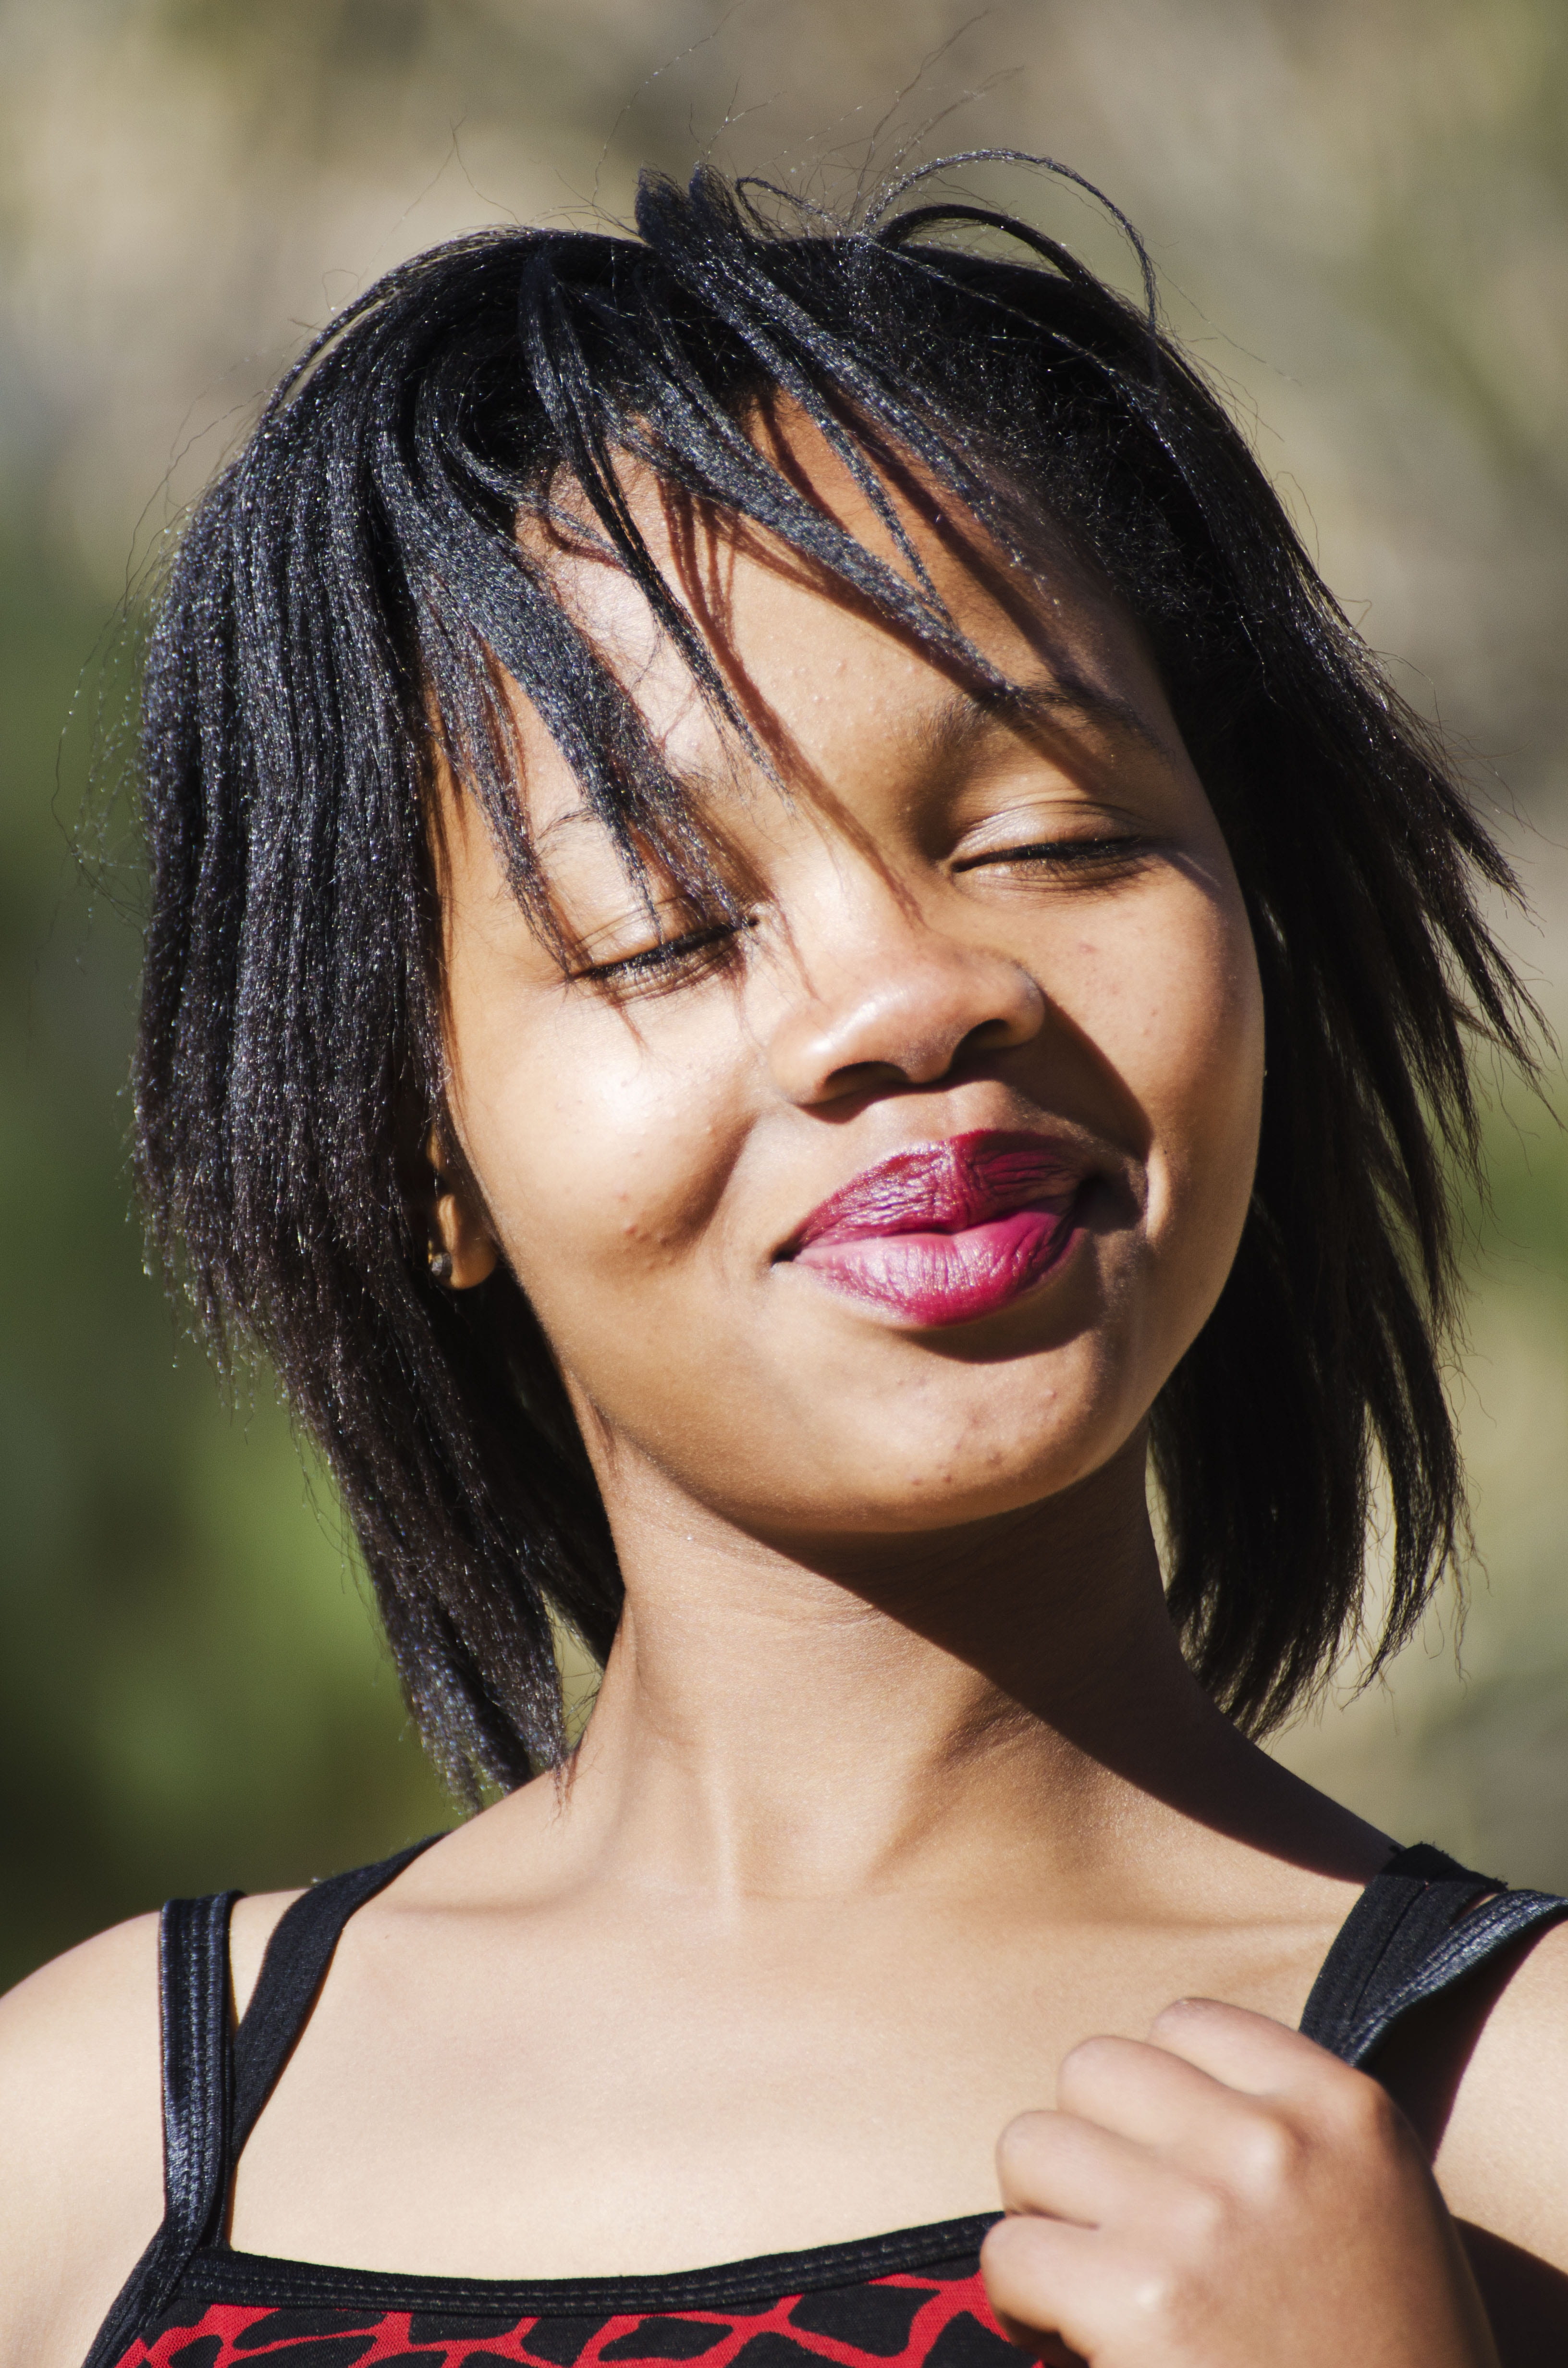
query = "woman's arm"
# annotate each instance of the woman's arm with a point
(81, 2130)
(1497, 2123)
(81, 2151)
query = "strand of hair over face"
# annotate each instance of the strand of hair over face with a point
(353, 609)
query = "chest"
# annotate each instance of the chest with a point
(662, 2094)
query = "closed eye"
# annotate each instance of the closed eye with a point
(1101, 856)
(669, 963)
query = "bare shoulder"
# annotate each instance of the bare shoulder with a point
(81, 2157)
(81, 2176)
(1503, 2159)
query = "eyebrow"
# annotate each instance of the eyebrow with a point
(965, 717)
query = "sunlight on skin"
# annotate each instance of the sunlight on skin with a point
(912, 972)
(897, 1790)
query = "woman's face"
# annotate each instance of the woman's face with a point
(902, 1218)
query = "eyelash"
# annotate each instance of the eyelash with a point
(1066, 854)
(667, 964)
(674, 960)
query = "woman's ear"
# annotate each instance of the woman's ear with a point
(462, 1249)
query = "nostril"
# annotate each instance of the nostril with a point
(989, 1037)
(907, 1023)
(867, 1077)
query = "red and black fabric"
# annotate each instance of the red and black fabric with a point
(765, 2313)
(910, 2300)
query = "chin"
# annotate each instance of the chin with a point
(955, 1478)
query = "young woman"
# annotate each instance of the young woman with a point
(789, 943)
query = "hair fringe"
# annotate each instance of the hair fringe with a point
(330, 635)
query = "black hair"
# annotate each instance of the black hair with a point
(330, 635)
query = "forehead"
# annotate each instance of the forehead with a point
(823, 676)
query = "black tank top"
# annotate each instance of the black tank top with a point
(910, 2300)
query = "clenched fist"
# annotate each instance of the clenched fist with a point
(1227, 2195)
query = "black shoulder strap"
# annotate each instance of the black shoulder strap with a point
(1419, 1927)
(193, 1956)
(292, 1971)
(216, 2081)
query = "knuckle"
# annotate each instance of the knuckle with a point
(1155, 2302)
(1202, 2220)
(1168, 2306)
(1087, 2066)
(1022, 2142)
(1270, 2154)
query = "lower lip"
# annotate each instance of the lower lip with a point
(933, 1278)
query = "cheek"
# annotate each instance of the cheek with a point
(606, 1153)
(600, 1165)
(1183, 1023)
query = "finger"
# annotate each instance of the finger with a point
(1145, 2093)
(1246, 2051)
(1076, 2171)
(1188, 2122)
(1051, 2286)
(1033, 2270)
(1293, 2090)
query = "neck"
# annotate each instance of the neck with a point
(816, 1718)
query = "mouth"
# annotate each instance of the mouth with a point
(948, 1232)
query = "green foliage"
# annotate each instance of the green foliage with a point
(191, 1692)
(1369, 197)
(1523, 1234)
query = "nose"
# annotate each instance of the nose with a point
(902, 1003)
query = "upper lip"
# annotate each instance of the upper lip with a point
(945, 1186)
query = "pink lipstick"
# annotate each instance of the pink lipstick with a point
(947, 1231)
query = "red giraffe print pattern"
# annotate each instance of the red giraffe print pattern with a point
(920, 2321)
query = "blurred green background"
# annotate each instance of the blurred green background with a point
(1360, 209)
